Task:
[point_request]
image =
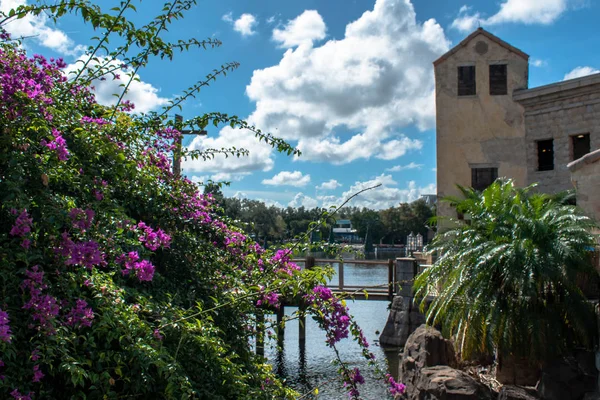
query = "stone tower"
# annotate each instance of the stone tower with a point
(480, 128)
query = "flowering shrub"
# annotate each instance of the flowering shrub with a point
(118, 278)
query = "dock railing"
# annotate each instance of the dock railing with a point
(384, 291)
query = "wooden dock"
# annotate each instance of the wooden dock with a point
(383, 292)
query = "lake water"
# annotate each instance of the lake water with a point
(305, 369)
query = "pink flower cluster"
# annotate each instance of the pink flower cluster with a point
(144, 270)
(81, 219)
(97, 121)
(335, 319)
(4, 327)
(22, 227)
(33, 79)
(283, 263)
(18, 396)
(86, 254)
(352, 380)
(58, 144)
(80, 315)
(396, 388)
(270, 298)
(44, 307)
(152, 239)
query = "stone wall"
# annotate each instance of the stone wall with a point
(480, 131)
(559, 112)
(585, 176)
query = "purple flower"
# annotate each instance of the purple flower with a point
(98, 194)
(153, 239)
(157, 335)
(144, 270)
(86, 254)
(35, 355)
(81, 219)
(396, 388)
(4, 327)
(80, 315)
(37, 374)
(59, 145)
(18, 396)
(22, 224)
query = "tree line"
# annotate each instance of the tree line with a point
(271, 223)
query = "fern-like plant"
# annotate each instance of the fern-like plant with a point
(506, 275)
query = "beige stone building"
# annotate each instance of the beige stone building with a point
(490, 124)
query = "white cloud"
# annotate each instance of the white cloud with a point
(331, 184)
(345, 99)
(260, 157)
(399, 168)
(145, 96)
(287, 178)
(580, 72)
(245, 24)
(228, 17)
(387, 195)
(536, 62)
(301, 200)
(39, 29)
(305, 28)
(226, 176)
(542, 12)
(270, 20)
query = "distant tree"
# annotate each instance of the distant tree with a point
(371, 219)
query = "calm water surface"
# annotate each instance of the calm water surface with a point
(304, 369)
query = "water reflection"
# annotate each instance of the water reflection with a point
(310, 366)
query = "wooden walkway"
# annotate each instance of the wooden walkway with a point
(384, 291)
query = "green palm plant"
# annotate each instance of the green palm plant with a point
(506, 277)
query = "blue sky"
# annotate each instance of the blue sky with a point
(348, 82)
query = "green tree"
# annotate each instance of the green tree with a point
(368, 219)
(507, 276)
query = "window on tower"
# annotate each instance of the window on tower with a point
(466, 81)
(498, 80)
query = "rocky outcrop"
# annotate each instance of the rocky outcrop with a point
(513, 370)
(403, 319)
(569, 378)
(510, 392)
(425, 347)
(446, 383)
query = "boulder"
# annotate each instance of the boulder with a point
(511, 392)
(519, 371)
(569, 378)
(425, 347)
(445, 383)
(403, 319)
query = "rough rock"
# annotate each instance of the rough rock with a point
(513, 370)
(569, 378)
(510, 392)
(403, 319)
(425, 347)
(445, 383)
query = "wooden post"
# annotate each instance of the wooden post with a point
(309, 263)
(391, 280)
(178, 145)
(280, 328)
(341, 275)
(260, 333)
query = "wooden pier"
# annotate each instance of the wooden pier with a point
(383, 292)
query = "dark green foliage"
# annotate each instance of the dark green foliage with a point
(507, 277)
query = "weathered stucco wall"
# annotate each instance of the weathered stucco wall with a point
(558, 112)
(585, 176)
(482, 130)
